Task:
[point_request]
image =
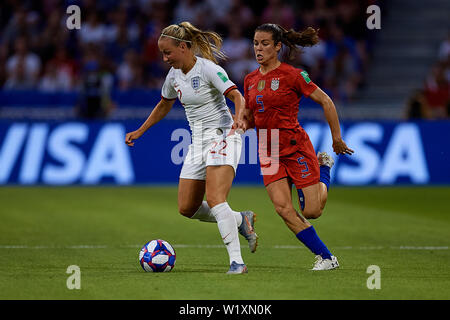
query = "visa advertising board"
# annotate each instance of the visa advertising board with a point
(91, 153)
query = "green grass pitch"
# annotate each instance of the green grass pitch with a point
(43, 230)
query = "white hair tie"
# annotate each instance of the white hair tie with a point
(175, 38)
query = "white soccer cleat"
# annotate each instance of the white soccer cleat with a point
(325, 159)
(325, 264)
(236, 268)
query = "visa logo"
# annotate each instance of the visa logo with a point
(40, 153)
(379, 158)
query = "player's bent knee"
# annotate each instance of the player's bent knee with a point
(312, 213)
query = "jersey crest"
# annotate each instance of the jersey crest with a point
(195, 82)
(275, 84)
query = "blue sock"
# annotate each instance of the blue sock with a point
(310, 239)
(325, 175)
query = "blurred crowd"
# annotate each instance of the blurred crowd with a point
(433, 100)
(116, 47)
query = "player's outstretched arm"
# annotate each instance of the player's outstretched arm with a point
(158, 113)
(239, 105)
(331, 115)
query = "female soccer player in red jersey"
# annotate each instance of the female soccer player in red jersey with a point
(272, 94)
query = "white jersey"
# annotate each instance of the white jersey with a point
(202, 93)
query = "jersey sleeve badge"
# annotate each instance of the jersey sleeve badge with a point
(222, 76)
(305, 76)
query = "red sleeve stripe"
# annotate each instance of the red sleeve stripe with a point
(168, 98)
(229, 89)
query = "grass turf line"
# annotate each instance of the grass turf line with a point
(64, 218)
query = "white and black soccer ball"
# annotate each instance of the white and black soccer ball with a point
(157, 256)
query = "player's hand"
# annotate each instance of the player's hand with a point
(241, 125)
(245, 121)
(339, 147)
(131, 136)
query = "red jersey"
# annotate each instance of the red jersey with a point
(274, 100)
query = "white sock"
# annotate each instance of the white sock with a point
(237, 217)
(228, 230)
(204, 214)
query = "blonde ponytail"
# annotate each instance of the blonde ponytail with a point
(205, 43)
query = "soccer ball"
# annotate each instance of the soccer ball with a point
(157, 256)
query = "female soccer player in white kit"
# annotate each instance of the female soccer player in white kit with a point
(212, 159)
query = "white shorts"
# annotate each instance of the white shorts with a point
(216, 147)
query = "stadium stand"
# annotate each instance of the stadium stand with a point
(113, 60)
(406, 55)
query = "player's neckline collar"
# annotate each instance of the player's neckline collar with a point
(265, 74)
(193, 67)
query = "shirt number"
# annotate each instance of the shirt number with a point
(305, 165)
(260, 102)
(221, 150)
